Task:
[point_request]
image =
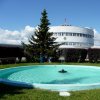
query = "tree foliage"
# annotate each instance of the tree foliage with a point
(41, 42)
(94, 55)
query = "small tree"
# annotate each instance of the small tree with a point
(41, 42)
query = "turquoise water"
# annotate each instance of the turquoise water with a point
(46, 76)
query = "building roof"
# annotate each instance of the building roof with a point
(10, 45)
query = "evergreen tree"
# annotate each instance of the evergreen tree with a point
(42, 42)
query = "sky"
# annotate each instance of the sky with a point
(18, 18)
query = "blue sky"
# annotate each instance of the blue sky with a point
(19, 17)
(16, 14)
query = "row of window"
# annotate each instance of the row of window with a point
(77, 43)
(72, 34)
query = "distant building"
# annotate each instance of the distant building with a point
(77, 46)
(73, 36)
(77, 43)
(9, 53)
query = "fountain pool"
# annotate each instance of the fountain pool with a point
(77, 77)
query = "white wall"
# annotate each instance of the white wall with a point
(84, 41)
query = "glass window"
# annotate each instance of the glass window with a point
(66, 34)
(74, 34)
(70, 43)
(66, 43)
(74, 43)
(62, 33)
(80, 35)
(77, 34)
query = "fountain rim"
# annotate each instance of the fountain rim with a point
(53, 65)
(23, 84)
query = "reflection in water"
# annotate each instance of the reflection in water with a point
(66, 81)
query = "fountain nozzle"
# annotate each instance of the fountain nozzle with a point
(62, 71)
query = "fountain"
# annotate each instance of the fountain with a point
(60, 78)
(62, 71)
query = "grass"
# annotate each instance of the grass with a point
(17, 93)
(25, 64)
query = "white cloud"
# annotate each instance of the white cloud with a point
(96, 38)
(15, 37)
(26, 33)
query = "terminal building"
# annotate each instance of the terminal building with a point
(77, 43)
(73, 36)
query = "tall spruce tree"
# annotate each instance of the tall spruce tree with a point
(41, 42)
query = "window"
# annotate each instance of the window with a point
(72, 34)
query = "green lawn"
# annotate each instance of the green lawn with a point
(18, 93)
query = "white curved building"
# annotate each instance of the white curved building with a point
(73, 36)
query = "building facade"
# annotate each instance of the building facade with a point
(76, 41)
(73, 36)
